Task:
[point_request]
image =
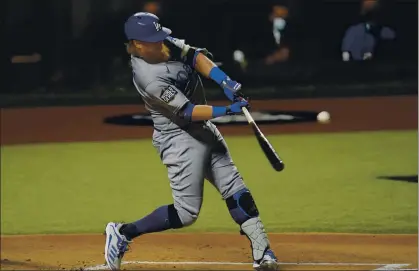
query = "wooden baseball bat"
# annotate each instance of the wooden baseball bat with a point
(266, 146)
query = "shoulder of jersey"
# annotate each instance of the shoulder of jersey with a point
(146, 73)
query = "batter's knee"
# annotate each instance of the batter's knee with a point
(186, 216)
(242, 206)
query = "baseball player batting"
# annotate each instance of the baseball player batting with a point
(166, 75)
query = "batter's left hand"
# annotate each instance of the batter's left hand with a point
(231, 89)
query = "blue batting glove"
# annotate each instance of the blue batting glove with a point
(230, 87)
(236, 108)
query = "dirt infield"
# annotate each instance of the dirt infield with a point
(68, 124)
(213, 252)
(209, 251)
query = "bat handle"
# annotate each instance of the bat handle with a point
(247, 115)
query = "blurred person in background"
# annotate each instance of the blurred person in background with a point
(278, 17)
(153, 7)
(360, 40)
(276, 42)
(23, 60)
(29, 53)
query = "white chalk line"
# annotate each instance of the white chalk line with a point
(382, 265)
(395, 266)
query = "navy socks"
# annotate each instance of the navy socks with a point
(161, 219)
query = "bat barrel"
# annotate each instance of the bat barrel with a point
(278, 166)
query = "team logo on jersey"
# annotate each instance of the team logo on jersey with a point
(157, 26)
(168, 94)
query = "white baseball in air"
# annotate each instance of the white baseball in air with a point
(323, 117)
(238, 56)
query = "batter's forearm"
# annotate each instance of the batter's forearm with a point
(197, 59)
(207, 68)
(203, 112)
(204, 65)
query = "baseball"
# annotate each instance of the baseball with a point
(323, 117)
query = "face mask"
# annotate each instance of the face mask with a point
(278, 25)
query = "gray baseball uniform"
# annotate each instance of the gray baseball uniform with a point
(191, 152)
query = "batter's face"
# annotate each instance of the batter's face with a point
(153, 52)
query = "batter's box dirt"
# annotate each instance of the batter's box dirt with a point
(181, 251)
(137, 265)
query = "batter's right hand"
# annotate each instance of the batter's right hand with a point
(236, 108)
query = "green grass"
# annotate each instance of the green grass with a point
(329, 184)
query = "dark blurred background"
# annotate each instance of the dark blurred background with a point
(56, 51)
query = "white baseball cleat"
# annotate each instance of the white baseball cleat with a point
(268, 263)
(116, 245)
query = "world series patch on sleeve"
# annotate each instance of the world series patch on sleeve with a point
(168, 94)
